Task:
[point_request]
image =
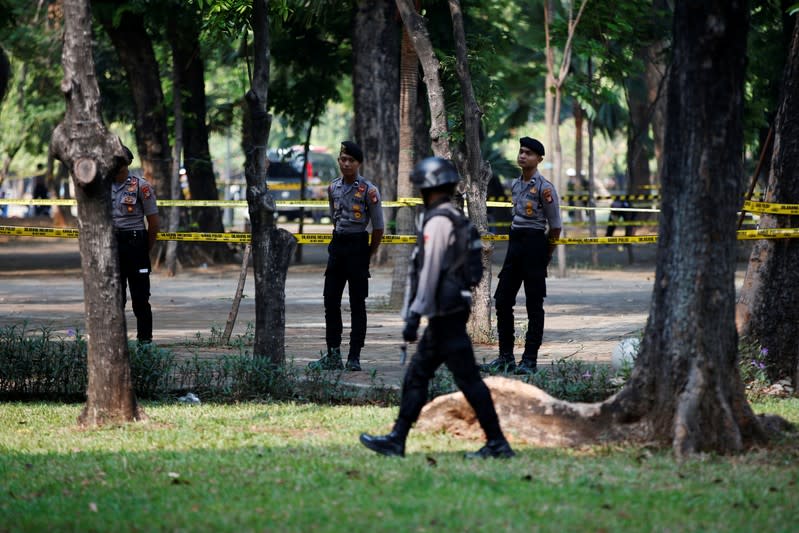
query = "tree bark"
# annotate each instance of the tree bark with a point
(476, 173)
(417, 30)
(94, 156)
(685, 390)
(272, 247)
(173, 221)
(409, 84)
(553, 96)
(135, 51)
(638, 141)
(376, 51)
(768, 310)
(197, 155)
(5, 73)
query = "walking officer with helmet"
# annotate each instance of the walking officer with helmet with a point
(445, 266)
(133, 201)
(536, 224)
(354, 203)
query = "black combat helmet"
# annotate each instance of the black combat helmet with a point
(434, 172)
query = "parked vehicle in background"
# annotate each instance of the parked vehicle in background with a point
(285, 173)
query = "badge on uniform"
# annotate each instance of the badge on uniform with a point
(373, 196)
(146, 192)
(361, 188)
(134, 185)
(130, 209)
(547, 195)
(529, 208)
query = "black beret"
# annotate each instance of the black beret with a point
(533, 144)
(352, 149)
(128, 154)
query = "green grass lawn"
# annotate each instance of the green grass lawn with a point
(299, 467)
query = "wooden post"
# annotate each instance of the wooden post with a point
(234, 309)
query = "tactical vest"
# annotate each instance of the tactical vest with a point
(462, 268)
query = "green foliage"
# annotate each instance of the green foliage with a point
(299, 467)
(752, 359)
(575, 381)
(41, 365)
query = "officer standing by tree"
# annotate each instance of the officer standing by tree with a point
(354, 202)
(535, 208)
(440, 280)
(133, 200)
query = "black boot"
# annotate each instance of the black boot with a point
(497, 448)
(329, 361)
(353, 361)
(392, 444)
(503, 364)
(528, 364)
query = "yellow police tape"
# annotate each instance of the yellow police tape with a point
(749, 206)
(324, 238)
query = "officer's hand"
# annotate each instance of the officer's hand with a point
(411, 331)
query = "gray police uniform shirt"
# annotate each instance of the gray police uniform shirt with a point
(438, 236)
(131, 201)
(353, 206)
(535, 204)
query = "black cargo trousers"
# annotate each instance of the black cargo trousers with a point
(446, 341)
(347, 264)
(525, 263)
(134, 269)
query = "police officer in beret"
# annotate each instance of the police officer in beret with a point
(354, 203)
(133, 201)
(445, 340)
(536, 224)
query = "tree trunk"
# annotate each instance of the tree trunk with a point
(197, 155)
(135, 51)
(417, 30)
(272, 247)
(638, 141)
(376, 51)
(768, 309)
(476, 173)
(5, 73)
(173, 221)
(94, 156)
(685, 389)
(409, 84)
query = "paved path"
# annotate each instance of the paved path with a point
(588, 313)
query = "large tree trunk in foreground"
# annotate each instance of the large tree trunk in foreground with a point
(768, 307)
(376, 50)
(685, 389)
(272, 247)
(94, 155)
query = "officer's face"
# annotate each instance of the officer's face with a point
(122, 175)
(528, 159)
(348, 165)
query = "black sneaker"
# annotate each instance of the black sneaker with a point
(526, 366)
(353, 365)
(498, 449)
(391, 444)
(329, 361)
(501, 365)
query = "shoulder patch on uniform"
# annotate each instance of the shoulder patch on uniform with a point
(373, 195)
(547, 193)
(146, 192)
